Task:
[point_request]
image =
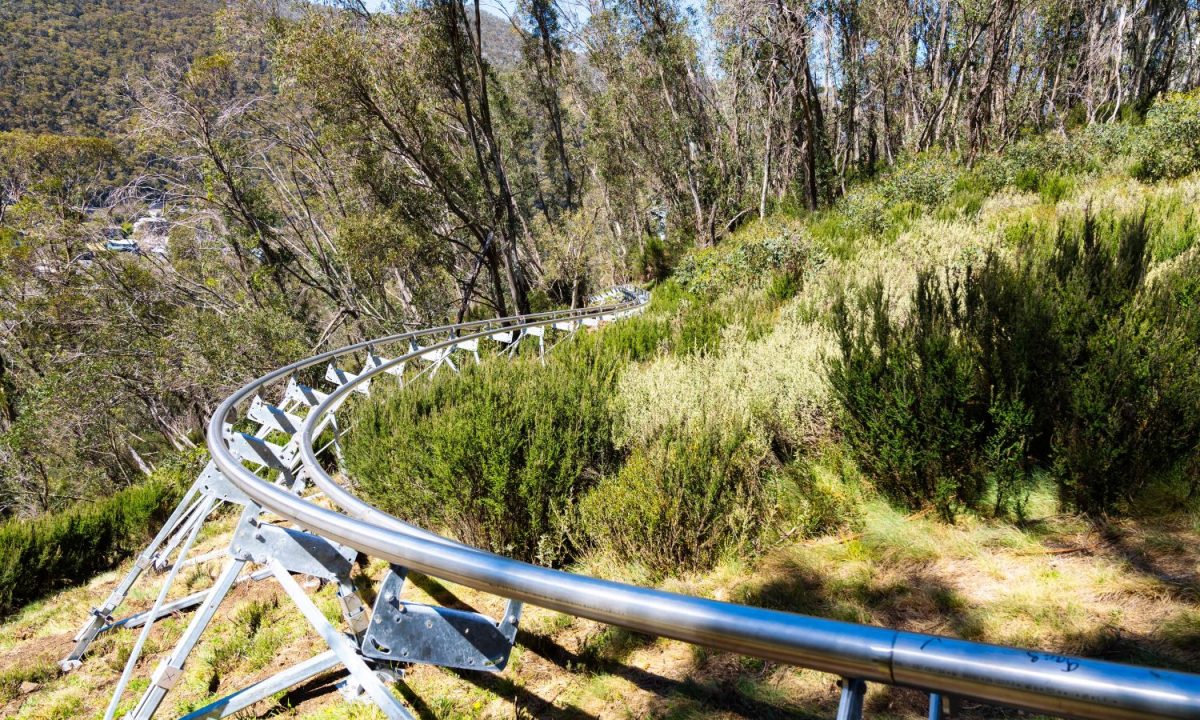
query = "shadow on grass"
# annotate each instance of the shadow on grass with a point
(1158, 554)
(911, 598)
(441, 594)
(732, 698)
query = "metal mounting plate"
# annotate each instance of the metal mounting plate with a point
(260, 452)
(411, 632)
(298, 551)
(273, 417)
(214, 483)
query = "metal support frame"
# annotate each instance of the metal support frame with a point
(247, 696)
(295, 551)
(101, 617)
(850, 706)
(323, 544)
(345, 649)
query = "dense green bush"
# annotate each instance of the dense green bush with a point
(907, 397)
(653, 263)
(1133, 409)
(1043, 163)
(1065, 360)
(506, 455)
(1168, 145)
(924, 180)
(1172, 224)
(747, 260)
(55, 551)
(497, 453)
(1025, 163)
(677, 503)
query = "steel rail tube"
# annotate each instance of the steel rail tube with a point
(353, 505)
(245, 392)
(1024, 679)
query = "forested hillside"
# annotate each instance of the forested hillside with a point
(924, 348)
(62, 63)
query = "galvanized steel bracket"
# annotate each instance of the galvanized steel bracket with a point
(403, 631)
(298, 551)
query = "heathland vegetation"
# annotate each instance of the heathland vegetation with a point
(1031, 321)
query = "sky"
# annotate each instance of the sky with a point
(580, 10)
(502, 8)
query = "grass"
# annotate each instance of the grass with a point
(728, 352)
(1055, 582)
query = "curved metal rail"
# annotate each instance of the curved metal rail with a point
(944, 667)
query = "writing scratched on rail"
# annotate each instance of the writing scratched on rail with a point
(1068, 664)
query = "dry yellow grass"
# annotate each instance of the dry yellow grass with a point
(1124, 591)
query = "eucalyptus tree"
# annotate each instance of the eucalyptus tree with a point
(654, 120)
(413, 97)
(767, 46)
(275, 186)
(546, 69)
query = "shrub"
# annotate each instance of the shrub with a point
(905, 392)
(653, 263)
(1168, 145)
(775, 385)
(1026, 162)
(923, 180)
(1133, 410)
(496, 454)
(1065, 360)
(1042, 163)
(966, 202)
(749, 259)
(784, 286)
(54, 551)
(732, 425)
(1173, 225)
(1054, 187)
(681, 501)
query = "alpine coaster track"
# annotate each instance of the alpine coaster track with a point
(272, 481)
